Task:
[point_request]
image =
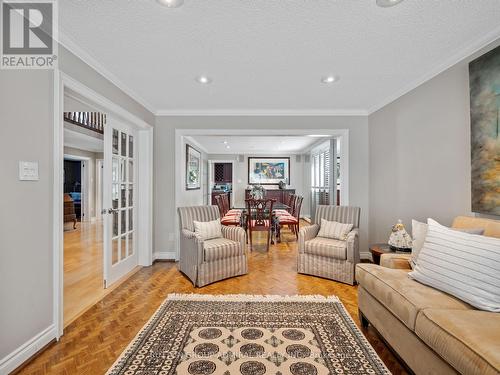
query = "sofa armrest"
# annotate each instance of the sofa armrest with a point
(353, 246)
(236, 234)
(306, 234)
(396, 261)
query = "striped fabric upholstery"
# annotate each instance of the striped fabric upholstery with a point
(220, 248)
(323, 261)
(334, 229)
(327, 247)
(464, 265)
(205, 262)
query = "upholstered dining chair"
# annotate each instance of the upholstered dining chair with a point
(292, 220)
(227, 217)
(326, 257)
(207, 261)
(260, 217)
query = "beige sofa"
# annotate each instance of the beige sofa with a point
(431, 331)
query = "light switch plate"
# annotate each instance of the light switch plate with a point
(28, 171)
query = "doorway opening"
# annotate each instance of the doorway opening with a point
(83, 227)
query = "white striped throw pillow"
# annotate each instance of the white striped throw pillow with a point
(208, 230)
(335, 230)
(464, 265)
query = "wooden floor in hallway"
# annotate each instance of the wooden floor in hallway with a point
(83, 268)
(92, 342)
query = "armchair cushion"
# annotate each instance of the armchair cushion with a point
(327, 247)
(207, 230)
(220, 248)
(334, 230)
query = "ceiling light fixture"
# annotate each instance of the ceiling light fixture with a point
(204, 80)
(329, 79)
(225, 142)
(171, 3)
(388, 3)
(228, 147)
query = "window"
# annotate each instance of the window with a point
(323, 186)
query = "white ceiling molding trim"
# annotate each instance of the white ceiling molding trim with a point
(91, 61)
(263, 112)
(465, 53)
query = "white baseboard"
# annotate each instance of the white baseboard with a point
(365, 255)
(15, 359)
(164, 255)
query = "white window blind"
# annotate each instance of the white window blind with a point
(323, 185)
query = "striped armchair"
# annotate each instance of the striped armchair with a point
(205, 262)
(329, 258)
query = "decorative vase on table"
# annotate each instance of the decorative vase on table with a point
(399, 239)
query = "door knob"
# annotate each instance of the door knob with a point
(112, 210)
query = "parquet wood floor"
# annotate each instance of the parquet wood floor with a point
(91, 343)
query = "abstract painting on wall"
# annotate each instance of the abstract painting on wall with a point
(484, 75)
(268, 170)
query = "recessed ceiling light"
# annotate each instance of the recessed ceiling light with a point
(204, 80)
(170, 3)
(228, 147)
(225, 142)
(329, 79)
(388, 3)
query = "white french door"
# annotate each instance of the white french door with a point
(119, 196)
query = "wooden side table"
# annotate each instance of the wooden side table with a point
(378, 249)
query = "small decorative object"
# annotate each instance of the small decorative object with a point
(258, 192)
(400, 240)
(268, 170)
(193, 165)
(282, 185)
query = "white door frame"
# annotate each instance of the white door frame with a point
(64, 84)
(343, 134)
(99, 165)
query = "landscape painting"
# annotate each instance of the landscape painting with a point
(193, 168)
(268, 171)
(484, 75)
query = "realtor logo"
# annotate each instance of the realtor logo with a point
(28, 34)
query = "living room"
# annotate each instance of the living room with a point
(414, 93)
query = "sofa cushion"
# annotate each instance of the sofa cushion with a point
(402, 296)
(469, 340)
(327, 247)
(220, 248)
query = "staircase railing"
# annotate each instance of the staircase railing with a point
(94, 121)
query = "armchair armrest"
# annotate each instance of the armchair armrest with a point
(237, 234)
(191, 247)
(396, 261)
(353, 246)
(306, 234)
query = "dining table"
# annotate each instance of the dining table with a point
(275, 226)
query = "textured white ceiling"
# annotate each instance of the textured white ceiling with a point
(270, 55)
(214, 144)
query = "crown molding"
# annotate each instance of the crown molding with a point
(69, 43)
(262, 112)
(461, 55)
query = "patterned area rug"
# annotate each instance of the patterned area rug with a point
(249, 335)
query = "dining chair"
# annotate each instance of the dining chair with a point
(227, 218)
(260, 217)
(293, 220)
(227, 206)
(289, 203)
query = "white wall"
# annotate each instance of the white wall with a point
(26, 207)
(165, 163)
(420, 154)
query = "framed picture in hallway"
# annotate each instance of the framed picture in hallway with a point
(268, 170)
(193, 168)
